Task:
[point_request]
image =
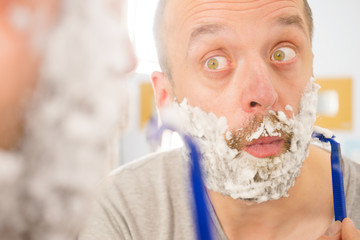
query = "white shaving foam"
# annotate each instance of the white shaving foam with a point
(289, 108)
(239, 174)
(267, 128)
(327, 134)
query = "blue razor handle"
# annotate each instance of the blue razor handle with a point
(202, 218)
(337, 176)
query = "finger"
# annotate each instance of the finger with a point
(349, 231)
(335, 237)
(333, 232)
(334, 229)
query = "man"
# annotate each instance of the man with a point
(61, 99)
(238, 77)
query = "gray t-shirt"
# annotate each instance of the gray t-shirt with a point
(149, 199)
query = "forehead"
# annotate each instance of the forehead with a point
(183, 16)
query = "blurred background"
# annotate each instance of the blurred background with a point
(336, 67)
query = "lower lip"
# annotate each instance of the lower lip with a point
(265, 149)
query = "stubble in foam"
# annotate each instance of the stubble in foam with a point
(238, 174)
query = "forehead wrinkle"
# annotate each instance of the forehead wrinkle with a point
(199, 8)
(192, 9)
(227, 5)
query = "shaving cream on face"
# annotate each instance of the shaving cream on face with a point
(236, 173)
(289, 108)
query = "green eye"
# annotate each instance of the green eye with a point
(212, 63)
(279, 55)
(216, 63)
(283, 54)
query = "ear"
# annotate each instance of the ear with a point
(162, 89)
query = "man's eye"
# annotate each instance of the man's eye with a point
(216, 63)
(283, 54)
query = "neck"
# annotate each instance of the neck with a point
(309, 201)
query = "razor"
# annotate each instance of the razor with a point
(336, 174)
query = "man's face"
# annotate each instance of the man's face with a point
(238, 59)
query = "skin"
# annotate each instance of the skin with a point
(20, 63)
(344, 230)
(250, 82)
(243, 37)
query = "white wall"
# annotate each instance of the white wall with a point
(336, 47)
(133, 143)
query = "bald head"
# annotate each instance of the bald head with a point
(160, 33)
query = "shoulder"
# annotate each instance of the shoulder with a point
(153, 169)
(158, 179)
(351, 170)
(352, 189)
(144, 199)
(148, 161)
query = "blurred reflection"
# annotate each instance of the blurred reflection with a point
(61, 101)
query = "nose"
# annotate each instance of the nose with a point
(258, 92)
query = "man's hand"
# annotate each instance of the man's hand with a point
(341, 231)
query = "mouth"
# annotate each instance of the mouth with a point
(265, 147)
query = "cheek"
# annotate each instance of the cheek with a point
(199, 95)
(201, 92)
(292, 95)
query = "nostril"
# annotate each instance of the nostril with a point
(253, 104)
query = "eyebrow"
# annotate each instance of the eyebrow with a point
(295, 20)
(204, 30)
